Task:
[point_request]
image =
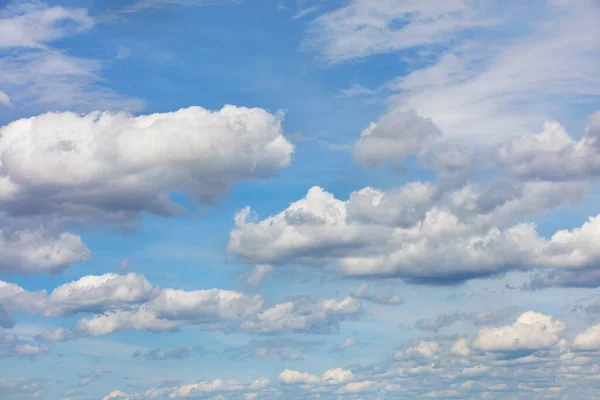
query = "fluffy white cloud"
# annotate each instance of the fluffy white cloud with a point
(26, 350)
(531, 331)
(30, 252)
(51, 23)
(118, 165)
(424, 349)
(588, 340)
(333, 376)
(173, 307)
(452, 236)
(98, 293)
(394, 137)
(300, 316)
(461, 348)
(553, 154)
(201, 388)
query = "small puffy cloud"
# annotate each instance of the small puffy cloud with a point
(394, 137)
(104, 324)
(30, 252)
(531, 331)
(115, 166)
(300, 316)
(379, 298)
(461, 348)
(334, 376)
(24, 350)
(588, 340)
(98, 293)
(54, 335)
(201, 389)
(424, 349)
(554, 155)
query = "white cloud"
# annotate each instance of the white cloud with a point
(588, 340)
(55, 335)
(418, 233)
(553, 154)
(299, 316)
(218, 385)
(424, 349)
(346, 345)
(98, 293)
(531, 331)
(104, 164)
(334, 376)
(364, 28)
(461, 348)
(477, 90)
(30, 252)
(256, 276)
(171, 308)
(92, 376)
(4, 98)
(25, 350)
(51, 23)
(394, 137)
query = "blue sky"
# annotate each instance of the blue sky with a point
(299, 199)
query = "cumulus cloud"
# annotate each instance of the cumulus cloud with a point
(171, 308)
(588, 340)
(394, 137)
(302, 316)
(553, 155)
(24, 350)
(30, 252)
(200, 389)
(98, 293)
(332, 376)
(422, 237)
(121, 166)
(531, 331)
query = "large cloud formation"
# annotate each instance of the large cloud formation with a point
(417, 234)
(115, 302)
(118, 165)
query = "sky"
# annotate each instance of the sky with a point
(298, 199)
